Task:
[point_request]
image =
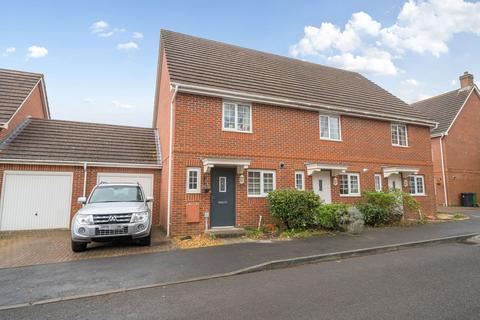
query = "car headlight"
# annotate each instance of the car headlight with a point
(84, 219)
(139, 217)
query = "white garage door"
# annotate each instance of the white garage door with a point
(35, 200)
(145, 180)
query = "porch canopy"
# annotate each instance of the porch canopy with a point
(388, 171)
(240, 164)
(318, 167)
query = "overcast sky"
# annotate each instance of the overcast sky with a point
(99, 57)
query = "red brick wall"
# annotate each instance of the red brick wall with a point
(290, 136)
(462, 152)
(78, 175)
(33, 107)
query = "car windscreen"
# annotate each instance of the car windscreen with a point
(116, 194)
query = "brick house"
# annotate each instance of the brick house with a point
(45, 164)
(236, 123)
(455, 150)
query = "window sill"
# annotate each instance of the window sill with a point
(350, 195)
(193, 192)
(327, 139)
(418, 195)
(236, 131)
(256, 196)
(399, 146)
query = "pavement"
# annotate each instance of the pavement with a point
(52, 281)
(23, 248)
(435, 282)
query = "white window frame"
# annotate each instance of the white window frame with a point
(303, 180)
(417, 176)
(339, 127)
(396, 125)
(236, 117)
(350, 194)
(262, 194)
(199, 172)
(379, 177)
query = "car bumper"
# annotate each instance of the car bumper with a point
(103, 232)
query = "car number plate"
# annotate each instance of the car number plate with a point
(111, 227)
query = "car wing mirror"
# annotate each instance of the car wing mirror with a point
(149, 199)
(82, 200)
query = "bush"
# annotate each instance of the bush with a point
(374, 214)
(294, 208)
(380, 208)
(332, 216)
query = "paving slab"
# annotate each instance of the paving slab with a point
(34, 283)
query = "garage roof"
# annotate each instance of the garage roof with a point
(59, 141)
(15, 87)
(210, 64)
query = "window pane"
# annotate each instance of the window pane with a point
(378, 183)
(343, 180)
(243, 117)
(334, 128)
(254, 182)
(353, 184)
(267, 182)
(419, 184)
(411, 185)
(324, 131)
(299, 181)
(402, 135)
(222, 184)
(229, 116)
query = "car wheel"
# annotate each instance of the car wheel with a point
(78, 246)
(146, 241)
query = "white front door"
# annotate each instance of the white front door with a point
(322, 185)
(36, 200)
(395, 181)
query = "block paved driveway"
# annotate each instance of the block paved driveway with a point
(23, 248)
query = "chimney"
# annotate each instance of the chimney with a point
(466, 80)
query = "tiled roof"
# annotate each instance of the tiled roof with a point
(69, 141)
(443, 108)
(15, 86)
(201, 62)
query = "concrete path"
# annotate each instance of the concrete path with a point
(34, 283)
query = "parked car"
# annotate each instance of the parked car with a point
(112, 212)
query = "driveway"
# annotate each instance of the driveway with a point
(23, 248)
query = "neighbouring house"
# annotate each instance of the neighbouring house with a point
(236, 123)
(22, 94)
(45, 164)
(455, 150)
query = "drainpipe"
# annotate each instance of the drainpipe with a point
(84, 179)
(443, 171)
(170, 149)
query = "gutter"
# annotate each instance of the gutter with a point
(84, 179)
(443, 171)
(170, 151)
(79, 163)
(296, 104)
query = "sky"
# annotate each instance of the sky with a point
(99, 58)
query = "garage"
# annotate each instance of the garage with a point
(35, 200)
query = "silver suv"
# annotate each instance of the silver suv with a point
(112, 212)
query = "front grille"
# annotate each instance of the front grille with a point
(114, 232)
(112, 218)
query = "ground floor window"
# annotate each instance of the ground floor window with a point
(378, 182)
(416, 185)
(349, 184)
(260, 182)
(193, 180)
(300, 180)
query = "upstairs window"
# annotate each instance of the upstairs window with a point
(349, 184)
(416, 185)
(378, 182)
(260, 183)
(330, 127)
(300, 180)
(237, 117)
(399, 135)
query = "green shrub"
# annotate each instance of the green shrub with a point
(294, 208)
(374, 214)
(331, 216)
